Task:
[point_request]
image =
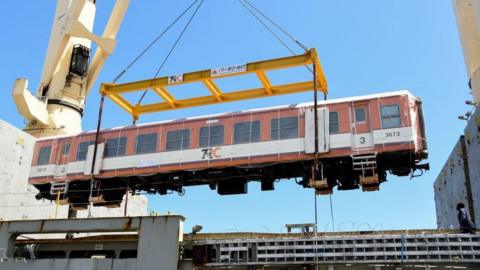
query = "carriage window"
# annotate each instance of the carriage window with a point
(390, 116)
(211, 135)
(44, 155)
(360, 115)
(246, 132)
(284, 128)
(178, 139)
(115, 147)
(146, 143)
(66, 149)
(83, 149)
(334, 126)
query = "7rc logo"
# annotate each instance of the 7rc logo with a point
(211, 152)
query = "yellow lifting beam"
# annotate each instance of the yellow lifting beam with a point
(207, 77)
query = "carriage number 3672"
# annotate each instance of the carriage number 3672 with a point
(392, 134)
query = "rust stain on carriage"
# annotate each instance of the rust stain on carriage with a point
(128, 224)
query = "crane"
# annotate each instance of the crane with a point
(467, 13)
(68, 74)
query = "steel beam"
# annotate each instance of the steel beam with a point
(163, 93)
(226, 97)
(445, 249)
(265, 82)
(158, 244)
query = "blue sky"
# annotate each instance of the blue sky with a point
(365, 47)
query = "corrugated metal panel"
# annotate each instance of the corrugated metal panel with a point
(450, 188)
(472, 145)
(459, 179)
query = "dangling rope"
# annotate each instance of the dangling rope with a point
(331, 213)
(95, 149)
(315, 108)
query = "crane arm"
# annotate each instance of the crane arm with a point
(67, 75)
(110, 32)
(468, 22)
(65, 14)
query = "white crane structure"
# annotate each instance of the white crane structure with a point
(467, 13)
(68, 74)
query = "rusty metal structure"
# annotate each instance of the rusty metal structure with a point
(158, 242)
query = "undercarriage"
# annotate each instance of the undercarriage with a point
(367, 171)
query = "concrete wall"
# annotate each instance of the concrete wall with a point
(459, 179)
(17, 197)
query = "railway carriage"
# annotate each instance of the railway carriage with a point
(358, 140)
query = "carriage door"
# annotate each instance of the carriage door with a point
(323, 133)
(361, 131)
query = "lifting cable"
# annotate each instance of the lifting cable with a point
(315, 165)
(251, 8)
(178, 39)
(331, 213)
(102, 100)
(266, 26)
(276, 25)
(277, 37)
(171, 50)
(150, 45)
(244, 4)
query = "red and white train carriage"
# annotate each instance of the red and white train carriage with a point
(359, 140)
